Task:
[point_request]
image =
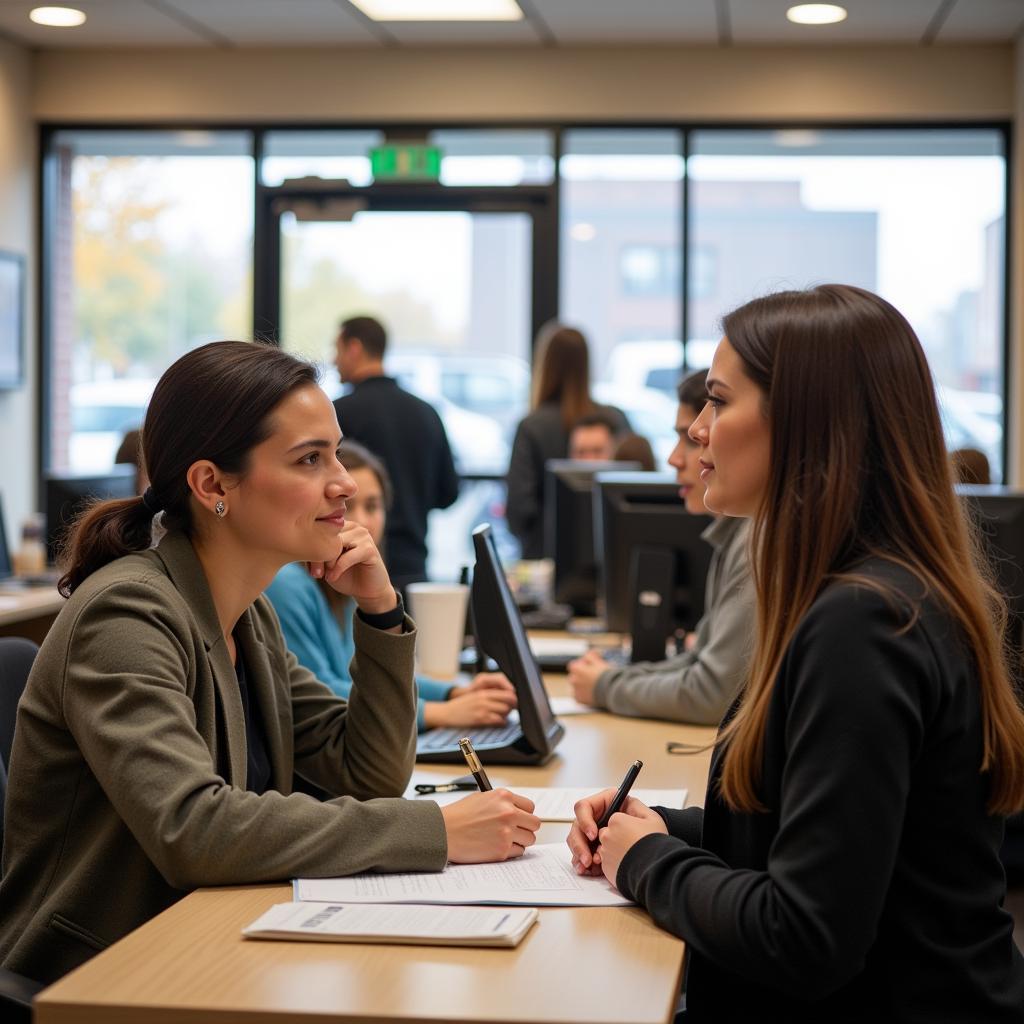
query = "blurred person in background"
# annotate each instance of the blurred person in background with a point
(970, 466)
(406, 433)
(130, 454)
(636, 448)
(593, 438)
(561, 397)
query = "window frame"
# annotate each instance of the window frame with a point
(547, 227)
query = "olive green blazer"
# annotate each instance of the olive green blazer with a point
(127, 776)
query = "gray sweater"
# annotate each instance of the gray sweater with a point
(699, 685)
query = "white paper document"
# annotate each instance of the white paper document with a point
(563, 706)
(427, 926)
(558, 647)
(555, 803)
(542, 877)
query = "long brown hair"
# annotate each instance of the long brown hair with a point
(858, 463)
(563, 372)
(213, 403)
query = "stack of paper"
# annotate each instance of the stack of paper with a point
(428, 926)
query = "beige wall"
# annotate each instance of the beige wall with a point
(488, 85)
(18, 234)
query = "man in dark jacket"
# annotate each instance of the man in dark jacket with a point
(406, 433)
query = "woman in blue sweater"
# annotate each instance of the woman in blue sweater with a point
(845, 865)
(317, 621)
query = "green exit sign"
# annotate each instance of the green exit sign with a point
(405, 161)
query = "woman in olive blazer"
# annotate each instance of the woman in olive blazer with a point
(164, 718)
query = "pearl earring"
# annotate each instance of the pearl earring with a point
(221, 509)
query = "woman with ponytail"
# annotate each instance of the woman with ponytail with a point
(845, 865)
(164, 720)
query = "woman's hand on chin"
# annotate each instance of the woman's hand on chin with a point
(358, 571)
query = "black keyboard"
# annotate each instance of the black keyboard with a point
(442, 739)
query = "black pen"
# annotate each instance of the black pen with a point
(483, 783)
(618, 800)
(423, 788)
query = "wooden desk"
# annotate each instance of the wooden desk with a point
(28, 611)
(190, 965)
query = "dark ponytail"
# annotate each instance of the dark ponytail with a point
(104, 531)
(213, 403)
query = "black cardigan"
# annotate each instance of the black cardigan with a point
(871, 889)
(409, 437)
(540, 436)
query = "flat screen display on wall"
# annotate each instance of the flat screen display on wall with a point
(12, 297)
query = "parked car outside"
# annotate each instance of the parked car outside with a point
(973, 419)
(478, 442)
(102, 412)
(495, 385)
(654, 364)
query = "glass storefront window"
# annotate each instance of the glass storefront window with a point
(151, 256)
(915, 215)
(621, 278)
(335, 155)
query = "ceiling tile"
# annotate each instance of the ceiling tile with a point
(983, 21)
(868, 21)
(637, 21)
(280, 22)
(108, 23)
(266, 23)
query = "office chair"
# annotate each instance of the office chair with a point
(16, 657)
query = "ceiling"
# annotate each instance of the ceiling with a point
(232, 24)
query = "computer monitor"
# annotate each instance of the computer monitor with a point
(569, 528)
(634, 511)
(500, 635)
(999, 512)
(6, 566)
(66, 495)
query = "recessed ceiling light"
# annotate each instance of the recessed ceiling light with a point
(57, 17)
(440, 10)
(816, 14)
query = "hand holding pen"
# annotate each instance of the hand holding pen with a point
(596, 813)
(616, 802)
(491, 825)
(475, 766)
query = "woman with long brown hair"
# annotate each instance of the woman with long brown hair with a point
(561, 397)
(845, 864)
(164, 721)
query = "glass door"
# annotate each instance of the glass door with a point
(454, 284)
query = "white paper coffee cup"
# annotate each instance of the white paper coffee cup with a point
(439, 611)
